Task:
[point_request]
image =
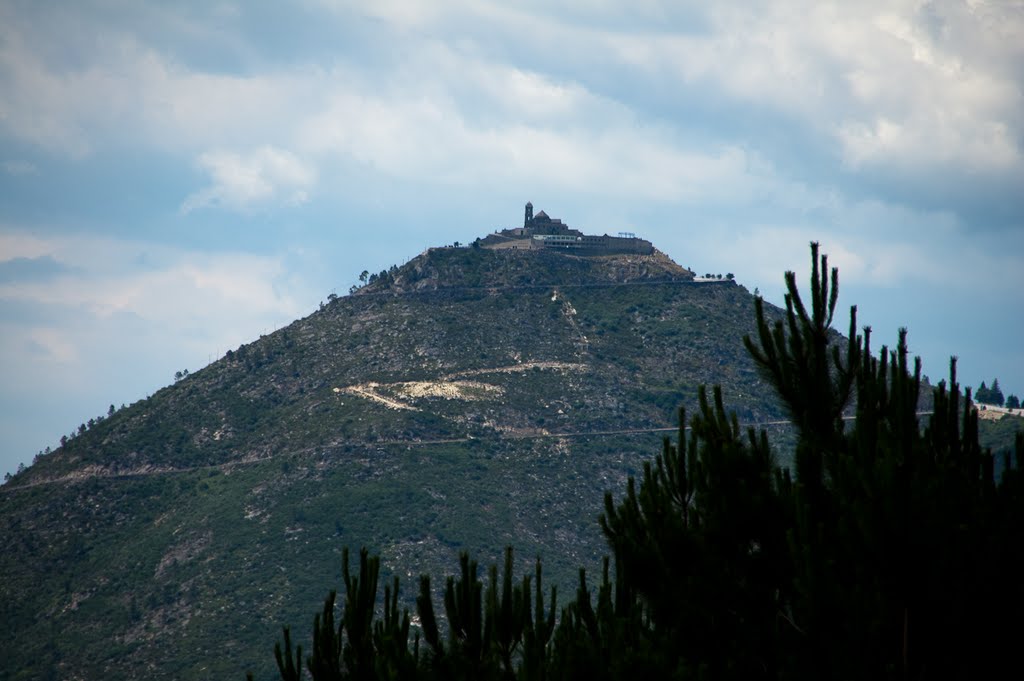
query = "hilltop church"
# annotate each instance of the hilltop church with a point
(541, 232)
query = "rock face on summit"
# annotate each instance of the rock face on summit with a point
(471, 399)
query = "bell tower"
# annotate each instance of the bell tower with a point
(529, 215)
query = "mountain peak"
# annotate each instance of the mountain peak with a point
(543, 252)
(544, 233)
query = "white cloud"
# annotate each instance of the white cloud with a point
(876, 246)
(35, 105)
(401, 13)
(194, 299)
(54, 345)
(449, 115)
(433, 141)
(873, 78)
(125, 92)
(21, 244)
(19, 167)
(907, 86)
(241, 181)
(461, 120)
(121, 318)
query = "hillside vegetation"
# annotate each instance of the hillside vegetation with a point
(475, 400)
(466, 401)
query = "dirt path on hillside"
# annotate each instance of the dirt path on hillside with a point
(93, 472)
(518, 368)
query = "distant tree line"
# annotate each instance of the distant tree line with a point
(386, 278)
(888, 551)
(994, 395)
(65, 439)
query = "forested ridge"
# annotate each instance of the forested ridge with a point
(891, 548)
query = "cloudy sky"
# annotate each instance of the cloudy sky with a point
(177, 180)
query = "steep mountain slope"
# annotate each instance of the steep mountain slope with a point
(467, 400)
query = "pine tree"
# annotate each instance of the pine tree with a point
(701, 544)
(983, 396)
(995, 393)
(893, 526)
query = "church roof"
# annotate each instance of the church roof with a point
(540, 215)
